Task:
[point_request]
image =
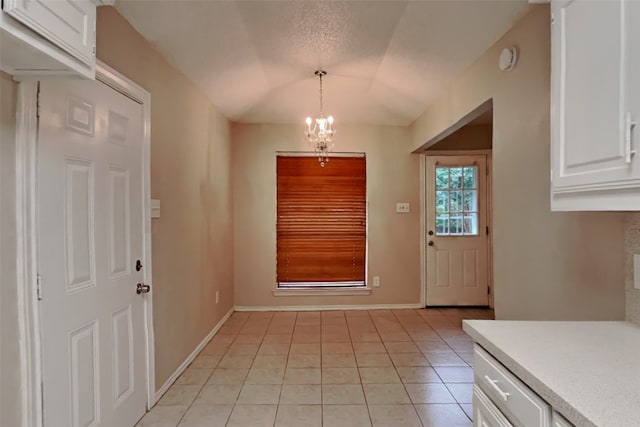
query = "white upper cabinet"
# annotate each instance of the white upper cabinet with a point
(48, 37)
(595, 93)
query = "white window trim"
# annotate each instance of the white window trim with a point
(342, 291)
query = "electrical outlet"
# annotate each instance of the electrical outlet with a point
(636, 271)
(217, 297)
(403, 207)
(376, 281)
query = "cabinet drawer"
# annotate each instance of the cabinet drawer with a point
(520, 404)
(485, 413)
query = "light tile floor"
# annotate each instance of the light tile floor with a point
(329, 368)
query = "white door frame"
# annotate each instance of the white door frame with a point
(423, 217)
(27, 238)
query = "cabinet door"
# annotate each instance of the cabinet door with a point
(559, 421)
(485, 413)
(69, 24)
(592, 103)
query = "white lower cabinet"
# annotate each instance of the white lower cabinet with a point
(502, 399)
(485, 413)
(559, 421)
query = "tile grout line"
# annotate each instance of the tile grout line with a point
(366, 401)
(207, 380)
(286, 366)
(233, 407)
(321, 376)
(404, 386)
(235, 404)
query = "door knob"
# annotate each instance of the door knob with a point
(430, 243)
(142, 289)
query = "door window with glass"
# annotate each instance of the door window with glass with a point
(321, 222)
(456, 200)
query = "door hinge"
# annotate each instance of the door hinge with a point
(38, 101)
(487, 230)
(39, 287)
(42, 401)
(488, 290)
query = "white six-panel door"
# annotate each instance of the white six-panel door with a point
(456, 222)
(90, 236)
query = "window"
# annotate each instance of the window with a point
(321, 222)
(456, 201)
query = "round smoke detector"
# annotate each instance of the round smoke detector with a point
(508, 58)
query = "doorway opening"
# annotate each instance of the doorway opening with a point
(457, 261)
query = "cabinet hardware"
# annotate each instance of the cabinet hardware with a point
(493, 384)
(628, 129)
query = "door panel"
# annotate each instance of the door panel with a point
(457, 251)
(78, 214)
(119, 223)
(470, 268)
(122, 353)
(85, 376)
(590, 137)
(90, 234)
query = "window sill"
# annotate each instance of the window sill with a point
(302, 292)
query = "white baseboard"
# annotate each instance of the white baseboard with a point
(328, 307)
(162, 390)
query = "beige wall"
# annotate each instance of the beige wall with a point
(632, 246)
(393, 239)
(470, 137)
(10, 402)
(190, 174)
(547, 265)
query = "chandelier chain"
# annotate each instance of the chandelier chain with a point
(321, 113)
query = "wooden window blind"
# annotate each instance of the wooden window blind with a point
(321, 221)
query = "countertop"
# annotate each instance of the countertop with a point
(588, 371)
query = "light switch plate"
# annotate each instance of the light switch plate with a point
(155, 208)
(636, 271)
(403, 207)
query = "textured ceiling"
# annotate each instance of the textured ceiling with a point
(386, 60)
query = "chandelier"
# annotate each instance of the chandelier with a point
(321, 133)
